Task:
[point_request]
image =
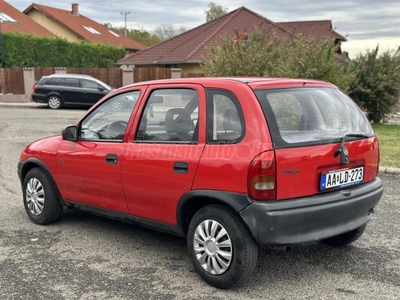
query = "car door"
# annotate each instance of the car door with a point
(89, 169)
(70, 90)
(161, 161)
(93, 91)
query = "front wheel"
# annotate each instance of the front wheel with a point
(221, 248)
(345, 238)
(40, 198)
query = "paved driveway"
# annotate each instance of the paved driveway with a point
(88, 257)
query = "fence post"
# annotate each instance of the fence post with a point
(29, 80)
(176, 73)
(127, 77)
(60, 70)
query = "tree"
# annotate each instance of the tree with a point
(140, 35)
(167, 31)
(259, 54)
(376, 82)
(215, 11)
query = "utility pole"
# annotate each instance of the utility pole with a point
(125, 13)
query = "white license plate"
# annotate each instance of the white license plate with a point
(341, 178)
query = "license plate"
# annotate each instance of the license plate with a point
(341, 178)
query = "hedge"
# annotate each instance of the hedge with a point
(21, 51)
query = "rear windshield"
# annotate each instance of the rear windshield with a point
(306, 116)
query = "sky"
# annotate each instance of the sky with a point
(365, 23)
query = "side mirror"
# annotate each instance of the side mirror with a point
(70, 133)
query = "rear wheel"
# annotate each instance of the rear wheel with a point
(40, 198)
(345, 238)
(54, 102)
(222, 250)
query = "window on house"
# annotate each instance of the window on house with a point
(6, 18)
(92, 30)
(113, 33)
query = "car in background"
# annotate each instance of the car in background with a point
(59, 90)
(228, 163)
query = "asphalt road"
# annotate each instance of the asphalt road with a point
(88, 257)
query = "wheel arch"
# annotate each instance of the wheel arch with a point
(32, 163)
(193, 201)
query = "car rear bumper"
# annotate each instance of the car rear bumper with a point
(39, 98)
(312, 218)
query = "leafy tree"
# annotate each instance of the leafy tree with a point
(140, 35)
(215, 11)
(375, 86)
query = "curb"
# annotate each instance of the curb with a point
(389, 170)
(22, 104)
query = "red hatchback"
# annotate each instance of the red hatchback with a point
(225, 162)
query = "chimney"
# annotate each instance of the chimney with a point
(75, 9)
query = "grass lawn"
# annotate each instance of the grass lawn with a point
(389, 143)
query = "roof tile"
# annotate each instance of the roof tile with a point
(23, 24)
(194, 44)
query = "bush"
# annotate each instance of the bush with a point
(376, 84)
(21, 51)
(266, 55)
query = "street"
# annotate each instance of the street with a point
(88, 257)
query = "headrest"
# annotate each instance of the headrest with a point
(177, 120)
(231, 120)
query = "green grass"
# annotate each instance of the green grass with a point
(389, 143)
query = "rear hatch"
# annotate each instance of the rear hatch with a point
(322, 140)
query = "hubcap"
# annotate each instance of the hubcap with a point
(54, 102)
(213, 247)
(116, 105)
(35, 196)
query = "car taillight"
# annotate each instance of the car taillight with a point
(261, 180)
(35, 88)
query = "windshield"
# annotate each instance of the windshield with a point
(299, 116)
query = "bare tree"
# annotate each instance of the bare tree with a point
(167, 31)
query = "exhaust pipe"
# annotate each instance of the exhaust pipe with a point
(280, 247)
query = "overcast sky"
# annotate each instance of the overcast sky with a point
(365, 23)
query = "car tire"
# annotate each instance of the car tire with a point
(54, 102)
(345, 238)
(221, 266)
(40, 198)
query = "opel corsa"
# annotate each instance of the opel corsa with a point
(228, 163)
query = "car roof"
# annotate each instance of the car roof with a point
(69, 75)
(253, 82)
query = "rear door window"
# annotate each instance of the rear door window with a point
(306, 116)
(70, 82)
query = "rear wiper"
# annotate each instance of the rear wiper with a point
(343, 151)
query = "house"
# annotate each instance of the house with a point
(313, 29)
(14, 21)
(75, 27)
(187, 50)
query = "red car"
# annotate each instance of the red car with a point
(228, 163)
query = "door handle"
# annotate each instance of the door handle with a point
(111, 159)
(181, 167)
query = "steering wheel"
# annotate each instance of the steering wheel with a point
(115, 130)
